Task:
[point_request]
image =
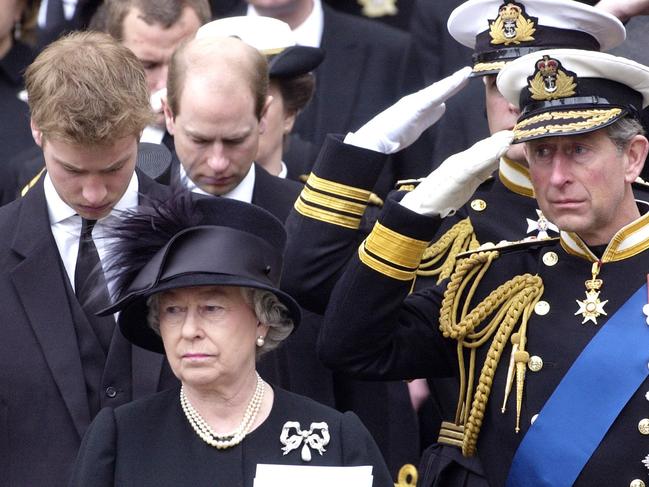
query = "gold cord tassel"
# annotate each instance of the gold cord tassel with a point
(494, 318)
(459, 238)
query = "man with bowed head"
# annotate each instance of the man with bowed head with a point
(60, 363)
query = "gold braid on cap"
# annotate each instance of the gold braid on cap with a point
(459, 238)
(495, 318)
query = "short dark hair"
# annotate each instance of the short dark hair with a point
(296, 91)
(163, 12)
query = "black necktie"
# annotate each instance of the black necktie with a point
(90, 285)
(55, 15)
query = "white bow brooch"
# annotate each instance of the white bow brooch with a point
(316, 437)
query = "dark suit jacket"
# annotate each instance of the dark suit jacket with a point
(83, 13)
(44, 408)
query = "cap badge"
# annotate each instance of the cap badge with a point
(512, 26)
(550, 81)
(379, 8)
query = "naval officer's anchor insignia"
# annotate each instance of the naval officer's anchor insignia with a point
(592, 307)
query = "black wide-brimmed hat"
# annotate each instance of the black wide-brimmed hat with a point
(500, 31)
(273, 38)
(187, 241)
(569, 92)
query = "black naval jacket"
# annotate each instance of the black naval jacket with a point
(151, 443)
(375, 329)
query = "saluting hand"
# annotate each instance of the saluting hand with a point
(400, 125)
(451, 185)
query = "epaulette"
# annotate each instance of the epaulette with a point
(440, 256)
(500, 317)
(31, 183)
(505, 246)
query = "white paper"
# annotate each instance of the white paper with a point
(312, 476)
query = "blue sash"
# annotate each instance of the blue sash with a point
(586, 402)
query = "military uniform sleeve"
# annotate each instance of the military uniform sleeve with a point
(373, 328)
(323, 227)
(95, 464)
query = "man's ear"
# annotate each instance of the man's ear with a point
(169, 117)
(36, 134)
(289, 121)
(264, 111)
(636, 153)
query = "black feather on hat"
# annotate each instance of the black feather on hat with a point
(186, 241)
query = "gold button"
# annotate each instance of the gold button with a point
(542, 308)
(637, 483)
(550, 258)
(534, 418)
(535, 364)
(478, 205)
(643, 426)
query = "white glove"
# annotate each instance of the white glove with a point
(451, 185)
(400, 125)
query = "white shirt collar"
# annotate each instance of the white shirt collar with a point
(69, 6)
(152, 134)
(65, 224)
(309, 32)
(241, 192)
(283, 172)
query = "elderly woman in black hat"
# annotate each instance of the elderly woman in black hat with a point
(197, 281)
(291, 85)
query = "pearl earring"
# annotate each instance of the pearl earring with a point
(260, 341)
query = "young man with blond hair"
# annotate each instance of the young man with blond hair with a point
(60, 363)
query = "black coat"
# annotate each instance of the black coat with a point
(15, 135)
(151, 443)
(44, 409)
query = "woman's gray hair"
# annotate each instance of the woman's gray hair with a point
(623, 130)
(268, 309)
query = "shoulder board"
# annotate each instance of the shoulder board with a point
(505, 246)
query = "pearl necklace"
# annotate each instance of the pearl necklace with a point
(206, 433)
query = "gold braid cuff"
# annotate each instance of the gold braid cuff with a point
(459, 238)
(391, 253)
(332, 202)
(494, 318)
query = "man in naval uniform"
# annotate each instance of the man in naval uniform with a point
(548, 338)
(502, 208)
(60, 363)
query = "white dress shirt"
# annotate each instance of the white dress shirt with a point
(69, 6)
(66, 224)
(309, 32)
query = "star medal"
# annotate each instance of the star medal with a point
(592, 307)
(542, 225)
